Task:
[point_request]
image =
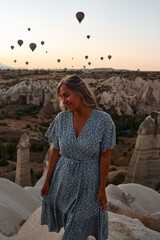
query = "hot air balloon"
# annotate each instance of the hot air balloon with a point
(20, 42)
(58, 60)
(84, 66)
(88, 36)
(109, 57)
(29, 29)
(46, 52)
(12, 47)
(89, 63)
(86, 57)
(15, 61)
(32, 46)
(80, 16)
(72, 58)
(42, 42)
(26, 63)
(101, 58)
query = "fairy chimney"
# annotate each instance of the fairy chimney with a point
(23, 176)
(144, 167)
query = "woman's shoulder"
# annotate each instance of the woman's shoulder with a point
(63, 114)
(102, 115)
(104, 120)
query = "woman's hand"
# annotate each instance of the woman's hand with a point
(102, 199)
(45, 188)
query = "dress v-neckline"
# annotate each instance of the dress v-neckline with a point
(77, 137)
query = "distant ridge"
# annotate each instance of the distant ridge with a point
(2, 66)
(106, 70)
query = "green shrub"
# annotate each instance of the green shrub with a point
(3, 162)
(35, 147)
(45, 149)
(125, 154)
(112, 169)
(44, 124)
(39, 174)
(3, 151)
(12, 151)
(3, 124)
(18, 117)
(31, 172)
(129, 149)
(28, 126)
(112, 162)
(119, 179)
(3, 155)
(43, 130)
(127, 125)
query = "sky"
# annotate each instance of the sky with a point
(128, 30)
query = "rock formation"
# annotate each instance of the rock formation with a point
(135, 201)
(16, 206)
(131, 97)
(120, 228)
(28, 92)
(23, 177)
(144, 167)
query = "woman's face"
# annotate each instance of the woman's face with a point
(70, 99)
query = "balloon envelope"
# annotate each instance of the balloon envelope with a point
(15, 61)
(26, 63)
(101, 58)
(109, 57)
(58, 60)
(80, 16)
(89, 63)
(32, 46)
(42, 42)
(29, 29)
(12, 47)
(88, 36)
(20, 42)
(86, 57)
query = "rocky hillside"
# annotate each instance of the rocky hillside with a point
(117, 94)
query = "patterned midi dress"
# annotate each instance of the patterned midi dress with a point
(72, 199)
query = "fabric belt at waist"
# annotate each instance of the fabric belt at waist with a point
(79, 161)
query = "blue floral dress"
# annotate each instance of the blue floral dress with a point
(72, 199)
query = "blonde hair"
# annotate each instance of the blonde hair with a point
(79, 87)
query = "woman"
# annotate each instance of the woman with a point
(74, 189)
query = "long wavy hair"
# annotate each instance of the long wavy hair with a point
(79, 87)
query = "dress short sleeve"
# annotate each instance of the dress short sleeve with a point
(109, 134)
(52, 133)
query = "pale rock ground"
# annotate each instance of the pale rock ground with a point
(120, 228)
(135, 201)
(16, 206)
(34, 191)
(146, 199)
(19, 204)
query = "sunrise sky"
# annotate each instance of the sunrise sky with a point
(129, 30)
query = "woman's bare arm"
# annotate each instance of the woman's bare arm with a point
(54, 156)
(104, 169)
